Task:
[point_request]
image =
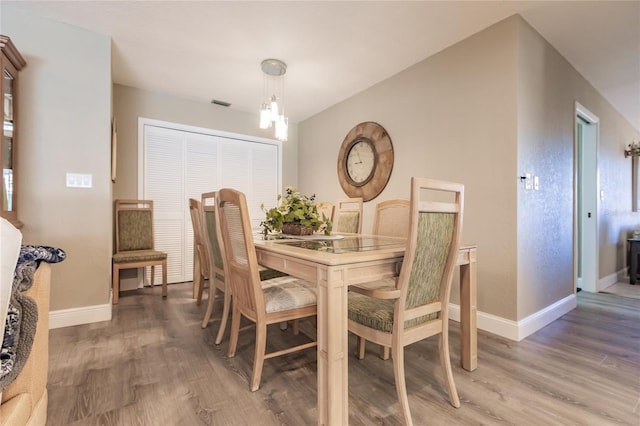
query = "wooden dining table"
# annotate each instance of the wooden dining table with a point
(334, 265)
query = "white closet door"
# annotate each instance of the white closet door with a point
(164, 184)
(201, 171)
(265, 182)
(181, 164)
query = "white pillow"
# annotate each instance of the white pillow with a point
(10, 241)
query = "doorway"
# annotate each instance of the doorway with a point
(586, 190)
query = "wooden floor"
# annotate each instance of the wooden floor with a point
(154, 365)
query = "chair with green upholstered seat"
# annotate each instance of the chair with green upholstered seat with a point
(397, 312)
(348, 216)
(134, 242)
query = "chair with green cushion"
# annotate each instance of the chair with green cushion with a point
(134, 242)
(348, 216)
(397, 312)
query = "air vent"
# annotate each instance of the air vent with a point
(222, 103)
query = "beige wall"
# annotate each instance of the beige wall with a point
(65, 113)
(129, 104)
(494, 106)
(548, 87)
(451, 117)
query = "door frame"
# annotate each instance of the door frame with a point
(586, 115)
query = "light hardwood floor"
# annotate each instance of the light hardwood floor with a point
(154, 365)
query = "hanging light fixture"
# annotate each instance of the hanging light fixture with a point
(272, 109)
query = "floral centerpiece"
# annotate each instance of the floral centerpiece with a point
(297, 214)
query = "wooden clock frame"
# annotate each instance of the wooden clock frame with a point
(374, 134)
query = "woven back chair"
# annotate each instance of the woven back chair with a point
(397, 312)
(325, 210)
(201, 273)
(134, 242)
(215, 256)
(262, 302)
(392, 218)
(348, 216)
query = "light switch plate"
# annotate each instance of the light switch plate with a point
(536, 183)
(79, 180)
(527, 181)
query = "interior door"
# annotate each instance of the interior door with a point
(587, 205)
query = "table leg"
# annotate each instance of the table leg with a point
(333, 396)
(468, 314)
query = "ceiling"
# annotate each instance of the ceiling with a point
(334, 49)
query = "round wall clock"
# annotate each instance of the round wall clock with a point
(365, 161)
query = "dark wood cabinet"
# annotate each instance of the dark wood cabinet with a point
(11, 62)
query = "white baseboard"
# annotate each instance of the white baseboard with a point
(518, 330)
(610, 279)
(79, 316)
(513, 330)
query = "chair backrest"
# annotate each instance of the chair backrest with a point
(429, 262)
(213, 239)
(392, 218)
(134, 225)
(199, 239)
(348, 216)
(241, 261)
(325, 208)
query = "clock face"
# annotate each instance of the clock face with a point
(365, 161)
(360, 161)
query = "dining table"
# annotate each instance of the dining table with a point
(334, 263)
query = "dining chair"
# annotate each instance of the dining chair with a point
(325, 209)
(214, 249)
(134, 243)
(264, 303)
(348, 216)
(397, 312)
(391, 218)
(215, 257)
(201, 273)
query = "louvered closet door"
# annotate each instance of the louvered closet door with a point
(164, 183)
(179, 165)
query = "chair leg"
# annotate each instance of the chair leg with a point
(296, 327)
(225, 316)
(200, 286)
(115, 283)
(164, 278)
(360, 346)
(445, 362)
(235, 331)
(384, 352)
(153, 276)
(210, 301)
(258, 357)
(401, 384)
